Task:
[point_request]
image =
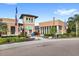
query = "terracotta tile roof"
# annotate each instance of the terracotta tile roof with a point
(28, 15)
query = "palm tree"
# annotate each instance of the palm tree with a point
(53, 31)
(75, 19)
(77, 25)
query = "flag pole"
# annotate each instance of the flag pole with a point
(16, 21)
(53, 22)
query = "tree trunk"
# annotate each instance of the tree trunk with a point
(76, 28)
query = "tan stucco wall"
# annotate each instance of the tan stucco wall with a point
(51, 23)
(9, 22)
(54, 23)
(29, 24)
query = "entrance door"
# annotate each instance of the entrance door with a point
(12, 30)
(30, 31)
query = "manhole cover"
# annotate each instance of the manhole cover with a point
(43, 45)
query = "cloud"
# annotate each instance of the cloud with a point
(66, 11)
(11, 3)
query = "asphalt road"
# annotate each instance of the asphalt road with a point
(51, 48)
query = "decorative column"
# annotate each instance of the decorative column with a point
(49, 29)
(40, 30)
(57, 29)
(43, 29)
(46, 29)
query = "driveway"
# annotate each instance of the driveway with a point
(52, 47)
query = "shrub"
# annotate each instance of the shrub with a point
(21, 39)
(47, 35)
(60, 35)
(3, 40)
(65, 35)
(73, 34)
(12, 39)
(16, 39)
(21, 34)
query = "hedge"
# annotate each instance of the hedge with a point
(3, 40)
(12, 39)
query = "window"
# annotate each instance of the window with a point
(27, 20)
(60, 27)
(31, 20)
(12, 29)
(0, 20)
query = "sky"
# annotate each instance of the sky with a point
(44, 11)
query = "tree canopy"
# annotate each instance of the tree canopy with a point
(73, 25)
(53, 30)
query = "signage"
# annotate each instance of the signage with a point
(28, 28)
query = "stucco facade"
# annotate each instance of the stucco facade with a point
(46, 26)
(28, 23)
(11, 29)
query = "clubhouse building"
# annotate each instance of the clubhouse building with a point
(29, 27)
(28, 23)
(45, 27)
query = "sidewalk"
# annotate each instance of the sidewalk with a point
(14, 45)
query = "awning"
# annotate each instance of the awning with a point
(28, 28)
